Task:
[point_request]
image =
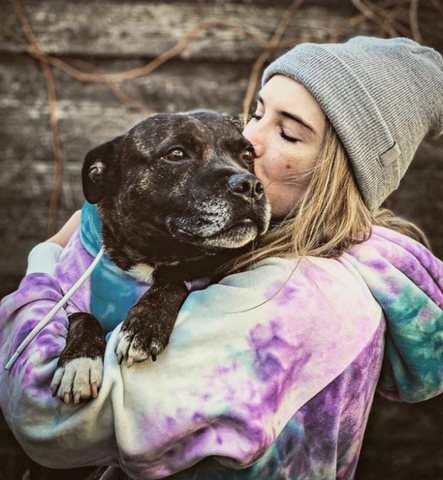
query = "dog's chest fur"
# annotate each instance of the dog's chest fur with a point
(142, 272)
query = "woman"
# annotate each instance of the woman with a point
(270, 373)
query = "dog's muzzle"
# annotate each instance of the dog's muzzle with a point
(230, 219)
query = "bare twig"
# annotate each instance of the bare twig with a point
(331, 35)
(371, 14)
(52, 106)
(264, 56)
(390, 17)
(151, 66)
(438, 6)
(382, 13)
(116, 90)
(252, 84)
(413, 20)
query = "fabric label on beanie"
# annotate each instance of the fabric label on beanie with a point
(390, 155)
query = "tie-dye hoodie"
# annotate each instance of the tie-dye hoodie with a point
(269, 374)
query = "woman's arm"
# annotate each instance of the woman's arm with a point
(63, 236)
(37, 419)
(244, 355)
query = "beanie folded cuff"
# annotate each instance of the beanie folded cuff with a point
(352, 112)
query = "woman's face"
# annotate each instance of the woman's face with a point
(287, 131)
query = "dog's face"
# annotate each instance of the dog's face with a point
(188, 176)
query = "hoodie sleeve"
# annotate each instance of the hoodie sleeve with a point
(244, 356)
(407, 281)
(43, 258)
(39, 422)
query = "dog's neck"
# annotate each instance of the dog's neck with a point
(140, 253)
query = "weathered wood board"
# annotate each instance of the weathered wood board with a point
(147, 29)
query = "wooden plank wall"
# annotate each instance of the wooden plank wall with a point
(402, 441)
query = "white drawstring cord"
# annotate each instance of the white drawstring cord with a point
(49, 316)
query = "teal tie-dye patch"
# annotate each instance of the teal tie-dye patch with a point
(113, 292)
(413, 360)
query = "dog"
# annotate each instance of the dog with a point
(177, 199)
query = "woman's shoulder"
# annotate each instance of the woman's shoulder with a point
(385, 256)
(315, 277)
(326, 297)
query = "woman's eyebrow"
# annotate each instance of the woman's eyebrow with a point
(291, 116)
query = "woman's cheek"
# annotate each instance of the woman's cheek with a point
(276, 167)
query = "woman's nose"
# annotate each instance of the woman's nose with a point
(252, 133)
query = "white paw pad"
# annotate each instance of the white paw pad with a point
(78, 380)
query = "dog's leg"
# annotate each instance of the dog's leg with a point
(145, 332)
(79, 372)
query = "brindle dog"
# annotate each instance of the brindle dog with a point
(177, 199)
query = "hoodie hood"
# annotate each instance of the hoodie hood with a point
(406, 279)
(91, 229)
(107, 278)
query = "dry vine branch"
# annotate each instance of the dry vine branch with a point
(116, 90)
(413, 20)
(370, 13)
(151, 66)
(382, 14)
(333, 35)
(264, 56)
(391, 17)
(438, 6)
(52, 105)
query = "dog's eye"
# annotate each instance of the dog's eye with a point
(248, 155)
(176, 154)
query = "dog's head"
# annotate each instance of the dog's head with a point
(188, 176)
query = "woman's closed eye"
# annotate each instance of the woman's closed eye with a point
(282, 133)
(288, 138)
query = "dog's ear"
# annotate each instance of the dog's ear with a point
(99, 173)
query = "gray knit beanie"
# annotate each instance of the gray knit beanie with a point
(382, 96)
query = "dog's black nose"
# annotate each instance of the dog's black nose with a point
(247, 186)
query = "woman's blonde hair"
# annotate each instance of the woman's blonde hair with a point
(330, 217)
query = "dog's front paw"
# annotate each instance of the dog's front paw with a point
(78, 380)
(137, 342)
